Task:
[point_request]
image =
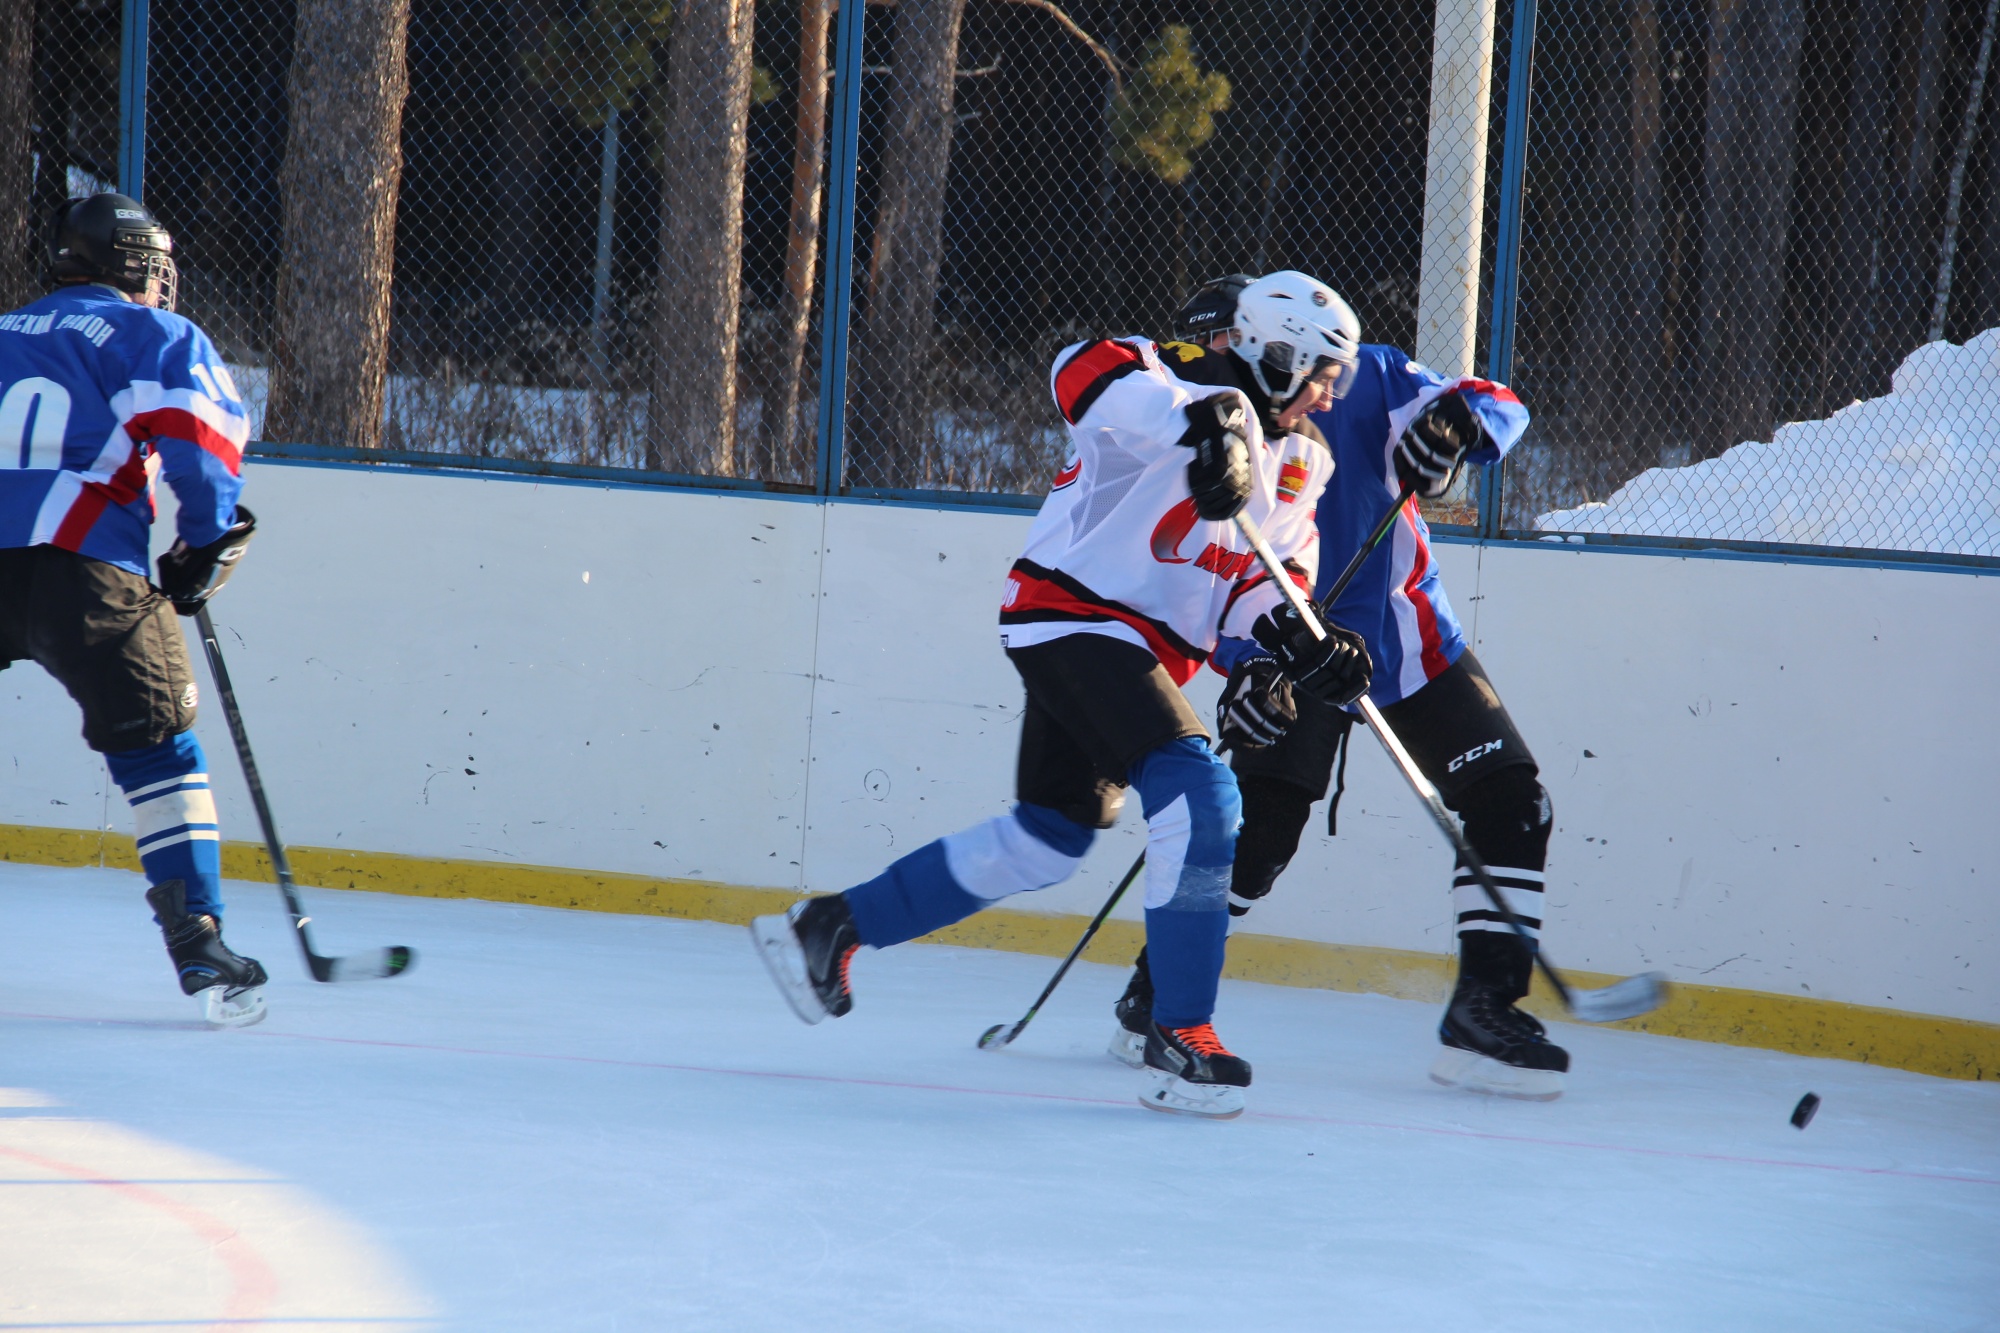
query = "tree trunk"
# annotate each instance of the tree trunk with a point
(17, 161)
(1855, 275)
(1753, 80)
(1647, 333)
(515, 180)
(343, 165)
(697, 314)
(802, 244)
(1600, 353)
(892, 399)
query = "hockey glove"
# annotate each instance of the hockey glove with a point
(190, 575)
(1428, 455)
(1256, 708)
(1219, 473)
(1334, 670)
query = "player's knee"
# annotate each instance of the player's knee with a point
(1274, 815)
(1508, 817)
(1193, 811)
(1032, 848)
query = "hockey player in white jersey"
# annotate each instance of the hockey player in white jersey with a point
(1403, 424)
(1132, 572)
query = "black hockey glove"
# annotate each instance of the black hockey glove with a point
(1219, 473)
(190, 575)
(1428, 455)
(1334, 670)
(1256, 708)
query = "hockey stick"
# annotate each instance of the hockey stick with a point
(388, 962)
(1622, 999)
(1000, 1034)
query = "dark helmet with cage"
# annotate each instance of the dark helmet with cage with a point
(1211, 310)
(116, 240)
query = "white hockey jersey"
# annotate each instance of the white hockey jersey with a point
(1117, 548)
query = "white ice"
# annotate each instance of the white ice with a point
(567, 1121)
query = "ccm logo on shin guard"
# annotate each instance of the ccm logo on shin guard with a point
(1476, 752)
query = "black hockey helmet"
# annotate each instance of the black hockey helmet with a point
(1211, 310)
(114, 239)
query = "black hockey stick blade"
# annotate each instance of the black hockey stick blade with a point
(374, 963)
(370, 965)
(1001, 1034)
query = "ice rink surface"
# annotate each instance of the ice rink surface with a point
(564, 1121)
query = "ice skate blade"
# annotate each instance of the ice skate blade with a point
(1175, 1095)
(1128, 1048)
(1474, 1072)
(220, 1009)
(778, 946)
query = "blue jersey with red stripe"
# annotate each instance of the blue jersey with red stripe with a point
(1397, 602)
(98, 395)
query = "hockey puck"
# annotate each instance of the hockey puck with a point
(1802, 1114)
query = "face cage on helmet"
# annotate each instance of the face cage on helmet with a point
(161, 282)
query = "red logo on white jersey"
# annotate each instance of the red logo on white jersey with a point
(1172, 530)
(1068, 474)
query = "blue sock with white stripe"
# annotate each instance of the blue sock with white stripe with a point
(167, 787)
(1193, 810)
(950, 879)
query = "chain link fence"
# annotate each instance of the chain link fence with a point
(1743, 216)
(597, 231)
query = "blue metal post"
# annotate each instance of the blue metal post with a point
(1507, 247)
(133, 31)
(836, 308)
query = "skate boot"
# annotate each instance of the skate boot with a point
(1489, 1044)
(1135, 1017)
(1193, 1074)
(229, 986)
(808, 950)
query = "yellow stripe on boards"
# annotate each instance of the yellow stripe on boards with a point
(1802, 1025)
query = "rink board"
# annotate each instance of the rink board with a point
(1767, 777)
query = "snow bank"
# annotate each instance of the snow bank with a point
(1915, 470)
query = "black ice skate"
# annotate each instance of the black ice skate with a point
(1491, 1046)
(808, 950)
(1135, 1017)
(230, 987)
(1193, 1073)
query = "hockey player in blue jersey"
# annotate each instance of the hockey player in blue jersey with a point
(1401, 423)
(103, 387)
(1131, 572)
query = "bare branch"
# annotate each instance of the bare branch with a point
(1070, 26)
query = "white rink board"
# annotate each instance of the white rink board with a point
(1769, 803)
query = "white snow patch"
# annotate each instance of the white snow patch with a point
(1917, 469)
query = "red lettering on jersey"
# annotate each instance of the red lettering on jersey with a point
(1172, 530)
(1068, 475)
(1227, 564)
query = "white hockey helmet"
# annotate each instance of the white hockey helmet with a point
(1289, 327)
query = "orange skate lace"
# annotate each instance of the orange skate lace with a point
(847, 961)
(1201, 1040)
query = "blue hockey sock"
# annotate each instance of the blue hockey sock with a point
(950, 879)
(174, 811)
(1193, 811)
(914, 896)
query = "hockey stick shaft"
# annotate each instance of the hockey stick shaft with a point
(320, 967)
(1325, 604)
(1090, 931)
(1644, 995)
